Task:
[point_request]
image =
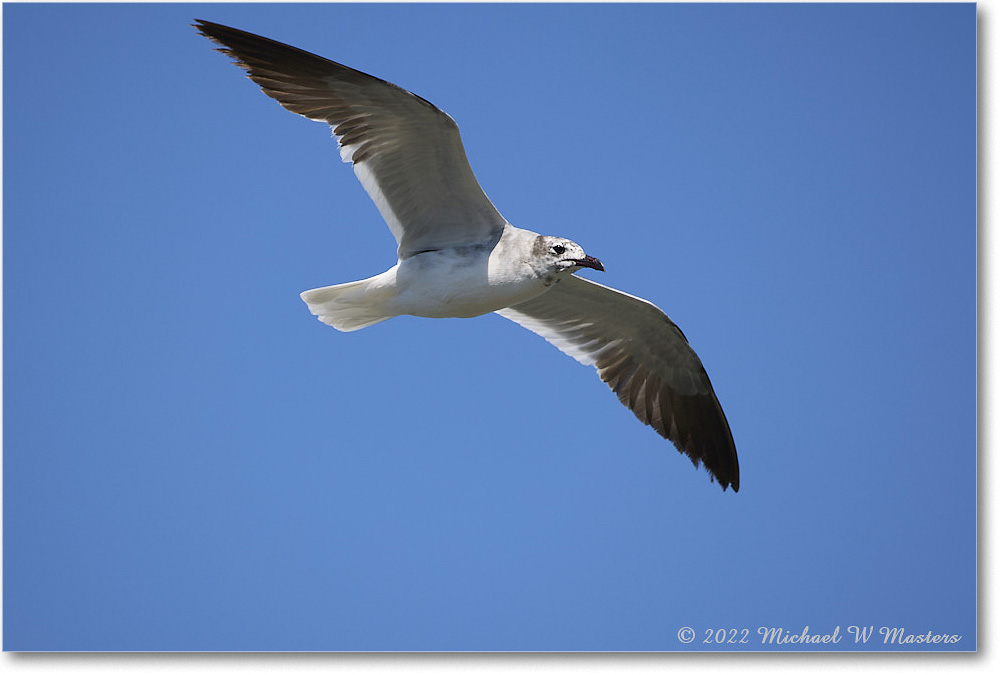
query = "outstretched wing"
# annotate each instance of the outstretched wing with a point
(407, 153)
(644, 358)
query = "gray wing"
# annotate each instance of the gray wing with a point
(644, 358)
(407, 153)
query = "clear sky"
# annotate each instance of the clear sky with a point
(193, 462)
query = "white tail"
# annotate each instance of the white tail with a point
(351, 306)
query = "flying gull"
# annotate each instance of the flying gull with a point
(458, 257)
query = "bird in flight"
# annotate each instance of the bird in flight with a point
(458, 257)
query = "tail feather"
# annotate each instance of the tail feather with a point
(348, 307)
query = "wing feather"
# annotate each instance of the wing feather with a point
(406, 152)
(645, 359)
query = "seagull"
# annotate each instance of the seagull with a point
(458, 257)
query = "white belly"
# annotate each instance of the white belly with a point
(444, 284)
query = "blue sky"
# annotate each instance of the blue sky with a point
(193, 462)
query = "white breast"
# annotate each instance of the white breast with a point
(462, 283)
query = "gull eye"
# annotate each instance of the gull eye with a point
(558, 249)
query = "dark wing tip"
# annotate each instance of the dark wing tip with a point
(697, 426)
(695, 423)
(701, 431)
(709, 438)
(253, 51)
(282, 70)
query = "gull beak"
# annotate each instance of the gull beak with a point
(591, 262)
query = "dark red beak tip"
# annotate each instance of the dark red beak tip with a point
(591, 262)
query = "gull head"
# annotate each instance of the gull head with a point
(562, 255)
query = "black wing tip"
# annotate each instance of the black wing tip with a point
(246, 46)
(225, 37)
(700, 430)
(211, 30)
(708, 438)
(726, 470)
(251, 51)
(722, 466)
(733, 483)
(728, 476)
(720, 460)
